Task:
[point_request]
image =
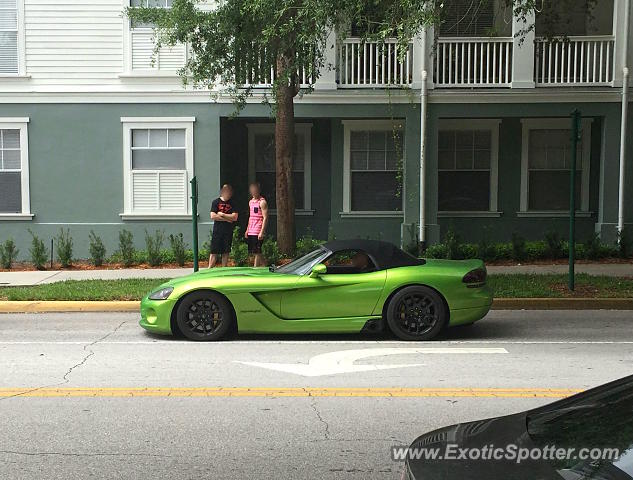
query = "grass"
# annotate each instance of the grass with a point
(555, 286)
(133, 289)
(505, 286)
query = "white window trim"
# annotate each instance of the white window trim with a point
(528, 124)
(304, 129)
(130, 123)
(479, 124)
(350, 126)
(128, 69)
(22, 125)
(21, 45)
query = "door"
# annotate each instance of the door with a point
(346, 290)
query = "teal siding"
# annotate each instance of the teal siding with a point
(76, 169)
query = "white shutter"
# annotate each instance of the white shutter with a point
(173, 191)
(143, 58)
(144, 191)
(8, 36)
(172, 58)
(142, 50)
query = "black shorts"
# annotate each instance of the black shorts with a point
(254, 244)
(221, 242)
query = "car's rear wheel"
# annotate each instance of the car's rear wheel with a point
(416, 313)
(204, 316)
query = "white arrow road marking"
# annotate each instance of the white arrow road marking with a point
(343, 361)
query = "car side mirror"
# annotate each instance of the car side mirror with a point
(318, 269)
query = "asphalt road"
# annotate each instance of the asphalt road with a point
(94, 396)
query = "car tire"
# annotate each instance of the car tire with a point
(204, 316)
(416, 313)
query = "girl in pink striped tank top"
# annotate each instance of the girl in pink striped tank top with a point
(257, 220)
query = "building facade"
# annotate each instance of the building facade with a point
(469, 129)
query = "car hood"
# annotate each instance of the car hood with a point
(498, 432)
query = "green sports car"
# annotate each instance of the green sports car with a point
(344, 286)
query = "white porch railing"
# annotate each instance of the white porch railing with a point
(259, 71)
(574, 61)
(473, 62)
(373, 64)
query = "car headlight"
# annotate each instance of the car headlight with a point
(161, 294)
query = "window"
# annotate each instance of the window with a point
(14, 169)
(142, 44)
(349, 261)
(10, 40)
(261, 162)
(465, 18)
(467, 156)
(373, 153)
(158, 162)
(546, 157)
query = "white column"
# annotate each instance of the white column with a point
(418, 60)
(327, 77)
(523, 52)
(619, 23)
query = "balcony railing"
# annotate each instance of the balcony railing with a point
(574, 61)
(373, 64)
(258, 70)
(473, 62)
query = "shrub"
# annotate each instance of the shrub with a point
(178, 248)
(64, 248)
(8, 253)
(503, 251)
(453, 245)
(271, 252)
(519, 252)
(38, 251)
(239, 249)
(153, 244)
(206, 245)
(467, 251)
(554, 245)
(126, 248)
(485, 249)
(624, 243)
(437, 250)
(593, 247)
(97, 249)
(306, 243)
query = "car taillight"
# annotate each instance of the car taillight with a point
(475, 278)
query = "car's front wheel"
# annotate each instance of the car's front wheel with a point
(204, 316)
(416, 313)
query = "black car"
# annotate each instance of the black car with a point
(586, 436)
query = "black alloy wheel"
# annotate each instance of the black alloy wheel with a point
(416, 313)
(204, 316)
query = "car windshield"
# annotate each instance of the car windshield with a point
(602, 420)
(304, 264)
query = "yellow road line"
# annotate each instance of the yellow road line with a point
(287, 392)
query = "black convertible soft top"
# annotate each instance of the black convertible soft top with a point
(384, 254)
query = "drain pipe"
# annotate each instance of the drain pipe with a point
(625, 107)
(423, 102)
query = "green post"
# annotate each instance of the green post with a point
(194, 221)
(575, 133)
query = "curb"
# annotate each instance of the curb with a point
(498, 304)
(67, 306)
(562, 304)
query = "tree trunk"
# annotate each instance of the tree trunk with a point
(284, 147)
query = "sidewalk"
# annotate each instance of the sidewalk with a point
(39, 278)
